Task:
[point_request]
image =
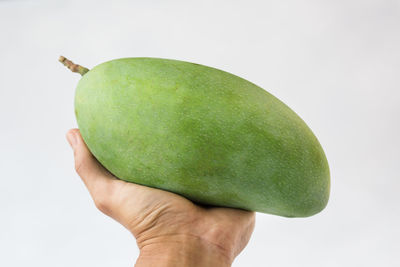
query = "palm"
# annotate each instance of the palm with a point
(149, 212)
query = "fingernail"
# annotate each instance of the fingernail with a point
(72, 139)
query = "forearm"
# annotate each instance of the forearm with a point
(192, 252)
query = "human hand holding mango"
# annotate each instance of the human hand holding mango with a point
(169, 229)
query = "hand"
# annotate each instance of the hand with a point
(169, 229)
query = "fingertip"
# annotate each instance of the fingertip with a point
(72, 137)
(72, 131)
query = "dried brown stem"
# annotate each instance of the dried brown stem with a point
(72, 66)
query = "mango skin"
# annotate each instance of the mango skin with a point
(203, 133)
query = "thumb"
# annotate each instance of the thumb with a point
(93, 174)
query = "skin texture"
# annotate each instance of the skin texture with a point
(203, 133)
(169, 229)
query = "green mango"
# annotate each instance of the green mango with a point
(203, 133)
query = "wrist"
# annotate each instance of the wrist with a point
(183, 251)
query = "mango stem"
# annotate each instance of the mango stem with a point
(72, 66)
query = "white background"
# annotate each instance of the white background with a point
(336, 63)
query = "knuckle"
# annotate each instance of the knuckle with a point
(78, 162)
(102, 204)
(78, 166)
(105, 198)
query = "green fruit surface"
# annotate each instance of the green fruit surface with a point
(203, 133)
